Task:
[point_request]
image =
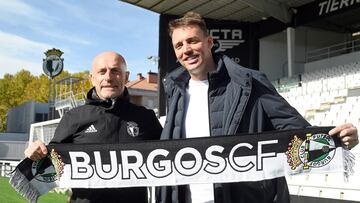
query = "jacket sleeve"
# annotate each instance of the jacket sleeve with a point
(280, 113)
(153, 126)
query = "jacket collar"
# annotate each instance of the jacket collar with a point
(238, 74)
(179, 76)
(92, 98)
(219, 75)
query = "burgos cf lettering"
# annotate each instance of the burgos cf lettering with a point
(158, 164)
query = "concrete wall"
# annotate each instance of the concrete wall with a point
(273, 49)
(21, 117)
(332, 62)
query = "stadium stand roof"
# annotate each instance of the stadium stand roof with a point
(293, 12)
(238, 10)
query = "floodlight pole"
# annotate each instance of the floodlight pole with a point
(155, 61)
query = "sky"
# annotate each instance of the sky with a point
(79, 28)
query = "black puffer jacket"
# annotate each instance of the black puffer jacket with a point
(240, 101)
(111, 121)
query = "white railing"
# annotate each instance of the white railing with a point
(334, 50)
(67, 101)
(6, 167)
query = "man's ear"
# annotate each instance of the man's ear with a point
(90, 78)
(210, 41)
(127, 74)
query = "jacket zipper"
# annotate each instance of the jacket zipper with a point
(208, 98)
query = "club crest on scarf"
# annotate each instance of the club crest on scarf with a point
(314, 152)
(48, 169)
(132, 128)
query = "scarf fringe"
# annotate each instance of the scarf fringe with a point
(20, 183)
(349, 163)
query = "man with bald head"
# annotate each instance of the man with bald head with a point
(108, 75)
(104, 119)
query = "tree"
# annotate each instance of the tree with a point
(3, 111)
(38, 89)
(17, 86)
(4, 105)
(23, 86)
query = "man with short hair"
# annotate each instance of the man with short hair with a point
(211, 95)
(104, 119)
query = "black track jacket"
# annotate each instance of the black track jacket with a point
(100, 121)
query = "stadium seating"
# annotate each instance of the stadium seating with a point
(326, 97)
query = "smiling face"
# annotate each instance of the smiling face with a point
(108, 75)
(193, 50)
